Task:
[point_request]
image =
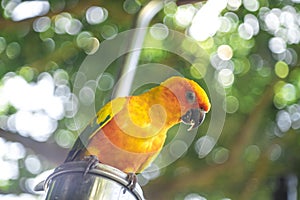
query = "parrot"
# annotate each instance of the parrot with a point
(129, 132)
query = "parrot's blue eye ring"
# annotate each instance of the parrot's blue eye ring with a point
(190, 96)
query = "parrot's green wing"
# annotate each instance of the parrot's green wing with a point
(105, 114)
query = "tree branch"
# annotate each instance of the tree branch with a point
(50, 151)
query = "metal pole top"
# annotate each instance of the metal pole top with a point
(100, 183)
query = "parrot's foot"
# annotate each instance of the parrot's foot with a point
(132, 180)
(92, 162)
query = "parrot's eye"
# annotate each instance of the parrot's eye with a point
(190, 96)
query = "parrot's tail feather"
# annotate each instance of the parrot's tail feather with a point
(74, 153)
(79, 147)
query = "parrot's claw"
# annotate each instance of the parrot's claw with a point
(132, 180)
(92, 161)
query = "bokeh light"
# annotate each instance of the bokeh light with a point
(42, 24)
(61, 21)
(220, 155)
(231, 105)
(2, 44)
(13, 50)
(225, 52)
(131, 6)
(159, 31)
(105, 82)
(226, 24)
(251, 5)
(185, 14)
(64, 138)
(246, 31)
(277, 45)
(73, 27)
(96, 15)
(28, 9)
(204, 145)
(253, 22)
(226, 77)
(234, 4)
(109, 31)
(87, 42)
(33, 164)
(283, 121)
(194, 196)
(276, 152)
(281, 69)
(86, 96)
(64, 23)
(252, 153)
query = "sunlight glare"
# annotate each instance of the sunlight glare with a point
(9, 170)
(206, 21)
(29, 9)
(184, 15)
(15, 150)
(38, 104)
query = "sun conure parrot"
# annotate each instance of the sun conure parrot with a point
(129, 132)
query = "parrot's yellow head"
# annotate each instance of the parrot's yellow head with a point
(192, 98)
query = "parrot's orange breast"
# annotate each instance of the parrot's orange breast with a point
(130, 154)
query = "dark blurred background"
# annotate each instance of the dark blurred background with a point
(249, 49)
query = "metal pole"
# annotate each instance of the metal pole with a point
(131, 61)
